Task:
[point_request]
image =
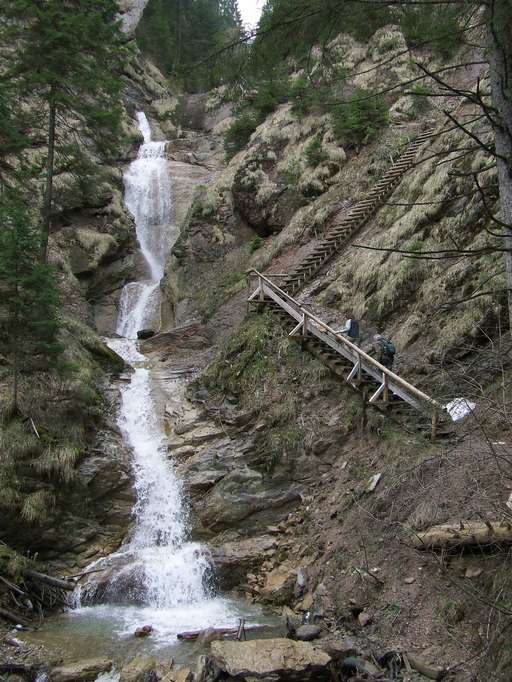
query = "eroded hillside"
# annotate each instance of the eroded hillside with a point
(283, 489)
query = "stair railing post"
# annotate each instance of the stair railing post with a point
(304, 325)
(385, 393)
(359, 369)
(435, 422)
(260, 285)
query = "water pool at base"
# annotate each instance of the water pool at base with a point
(107, 631)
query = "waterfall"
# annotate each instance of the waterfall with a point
(157, 566)
(157, 577)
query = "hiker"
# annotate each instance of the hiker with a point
(351, 330)
(385, 350)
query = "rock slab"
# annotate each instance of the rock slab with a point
(271, 660)
(81, 670)
(139, 669)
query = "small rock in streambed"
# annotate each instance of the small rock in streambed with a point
(144, 631)
(306, 633)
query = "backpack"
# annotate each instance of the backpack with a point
(387, 347)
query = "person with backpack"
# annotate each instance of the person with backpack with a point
(351, 330)
(385, 350)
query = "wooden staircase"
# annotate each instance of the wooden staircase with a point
(379, 385)
(342, 231)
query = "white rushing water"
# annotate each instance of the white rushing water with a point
(158, 576)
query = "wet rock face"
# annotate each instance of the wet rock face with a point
(233, 560)
(98, 510)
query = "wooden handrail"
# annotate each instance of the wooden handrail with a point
(355, 349)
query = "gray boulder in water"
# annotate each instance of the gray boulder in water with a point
(146, 334)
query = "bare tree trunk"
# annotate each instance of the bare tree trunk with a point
(500, 62)
(48, 196)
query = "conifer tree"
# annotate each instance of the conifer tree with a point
(70, 55)
(28, 294)
(179, 34)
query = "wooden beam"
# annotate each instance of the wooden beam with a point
(296, 329)
(254, 295)
(355, 370)
(377, 394)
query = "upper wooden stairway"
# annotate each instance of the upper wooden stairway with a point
(341, 232)
(380, 384)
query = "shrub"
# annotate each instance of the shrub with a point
(359, 119)
(270, 95)
(314, 151)
(239, 133)
(314, 96)
(292, 172)
(256, 243)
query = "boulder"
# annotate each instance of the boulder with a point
(271, 660)
(339, 649)
(81, 670)
(144, 631)
(146, 334)
(306, 633)
(140, 669)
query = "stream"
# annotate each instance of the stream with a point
(158, 577)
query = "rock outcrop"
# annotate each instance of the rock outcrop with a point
(131, 12)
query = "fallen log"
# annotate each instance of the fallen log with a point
(219, 632)
(464, 533)
(51, 581)
(12, 617)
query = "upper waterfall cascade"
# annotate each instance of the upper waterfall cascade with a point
(148, 198)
